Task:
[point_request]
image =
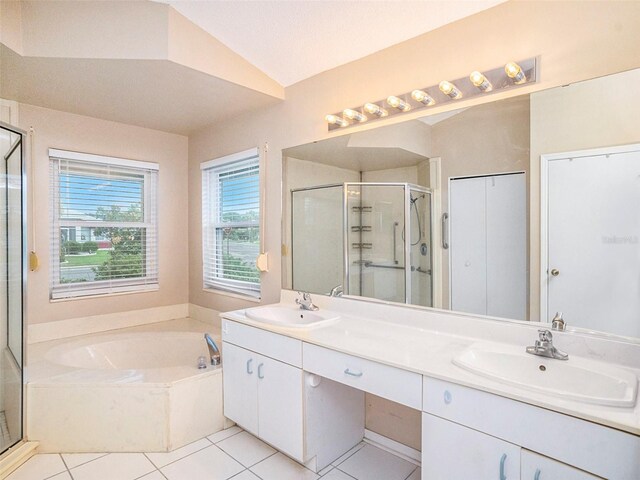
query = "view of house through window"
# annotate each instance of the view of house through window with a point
(104, 225)
(231, 223)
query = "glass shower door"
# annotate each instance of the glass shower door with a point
(420, 247)
(11, 286)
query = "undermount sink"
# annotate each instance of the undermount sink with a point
(577, 379)
(291, 316)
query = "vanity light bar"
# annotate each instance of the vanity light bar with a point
(511, 75)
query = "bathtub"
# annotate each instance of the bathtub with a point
(137, 390)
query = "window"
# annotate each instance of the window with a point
(103, 225)
(231, 223)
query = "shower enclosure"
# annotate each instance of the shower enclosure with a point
(368, 239)
(12, 276)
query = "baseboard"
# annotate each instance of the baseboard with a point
(43, 332)
(409, 454)
(16, 456)
(204, 314)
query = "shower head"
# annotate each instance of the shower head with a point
(415, 199)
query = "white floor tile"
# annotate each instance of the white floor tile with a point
(342, 458)
(372, 463)
(280, 467)
(61, 476)
(246, 475)
(153, 476)
(416, 475)
(336, 474)
(210, 463)
(246, 448)
(162, 459)
(222, 434)
(75, 459)
(39, 467)
(123, 466)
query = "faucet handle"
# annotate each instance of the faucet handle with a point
(545, 335)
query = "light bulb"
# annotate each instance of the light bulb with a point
(450, 90)
(335, 120)
(354, 115)
(374, 109)
(422, 97)
(398, 103)
(480, 81)
(513, 70)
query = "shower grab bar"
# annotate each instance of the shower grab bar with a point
(445, 232)
(366, 263)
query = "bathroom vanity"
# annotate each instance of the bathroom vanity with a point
(301, 390)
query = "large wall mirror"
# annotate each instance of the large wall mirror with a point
(517, 209)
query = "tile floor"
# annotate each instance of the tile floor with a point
(229, 454)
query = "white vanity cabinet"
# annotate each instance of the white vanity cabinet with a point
(311, 419)
(451, 451)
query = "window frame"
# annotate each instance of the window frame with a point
(210, 222)
(150, 171)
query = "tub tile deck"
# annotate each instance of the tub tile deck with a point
(232, 454)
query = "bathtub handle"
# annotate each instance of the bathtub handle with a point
(249, 371)
(260, 375)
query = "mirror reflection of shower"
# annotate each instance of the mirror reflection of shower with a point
(353, 236)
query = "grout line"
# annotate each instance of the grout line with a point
(412, 472)
(102, 454)
(361, 445)
(239, 473)
(259, 461)
(226, 438)
(350, 476)
(181, 458)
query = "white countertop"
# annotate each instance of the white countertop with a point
(399, 342)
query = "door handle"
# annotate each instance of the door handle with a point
(353, 374)
(537, 474)
(249, 371)
(445, 233)
(260, 374)
(503, 460)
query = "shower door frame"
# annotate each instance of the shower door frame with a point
(23, 268)
(407, 241)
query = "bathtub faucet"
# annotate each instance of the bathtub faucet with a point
(214, 351)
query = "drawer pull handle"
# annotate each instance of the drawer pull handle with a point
(537, 475)
(353, 374)
(260, 374)
(447, 397)
(249, 371)
(503, 460)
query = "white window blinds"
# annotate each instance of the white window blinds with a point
(231, 223)
(104, 235)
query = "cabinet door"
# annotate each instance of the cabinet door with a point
(451, 451)
(280, 406)
(240, 386)
(537, 467)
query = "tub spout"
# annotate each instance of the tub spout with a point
(214, 351)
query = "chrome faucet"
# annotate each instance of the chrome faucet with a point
(214, 351)
(558, 323)
(336, 291)
(543, 347)
(305, 301)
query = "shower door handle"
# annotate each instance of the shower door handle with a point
(445, 232)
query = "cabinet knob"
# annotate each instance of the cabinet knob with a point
(447, 397)
(555, 272)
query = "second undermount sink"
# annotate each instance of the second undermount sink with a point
(576, 379)
(291, 316)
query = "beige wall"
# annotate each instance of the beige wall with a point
(54, 129)
(594, 114)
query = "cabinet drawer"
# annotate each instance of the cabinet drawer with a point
(279, 347)
(388, 382)
(537, 467)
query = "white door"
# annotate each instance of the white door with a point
(537, 467)
(280, 395)
(593, 230)
(240, 386)
(488, 240)
(451, 451)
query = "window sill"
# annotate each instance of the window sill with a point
(248, 298)
(149, 289)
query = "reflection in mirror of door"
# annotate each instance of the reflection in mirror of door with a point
(481, 170)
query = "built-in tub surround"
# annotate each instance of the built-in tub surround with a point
(134, 389)
(406, 355)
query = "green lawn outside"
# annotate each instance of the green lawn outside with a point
(98, 258)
